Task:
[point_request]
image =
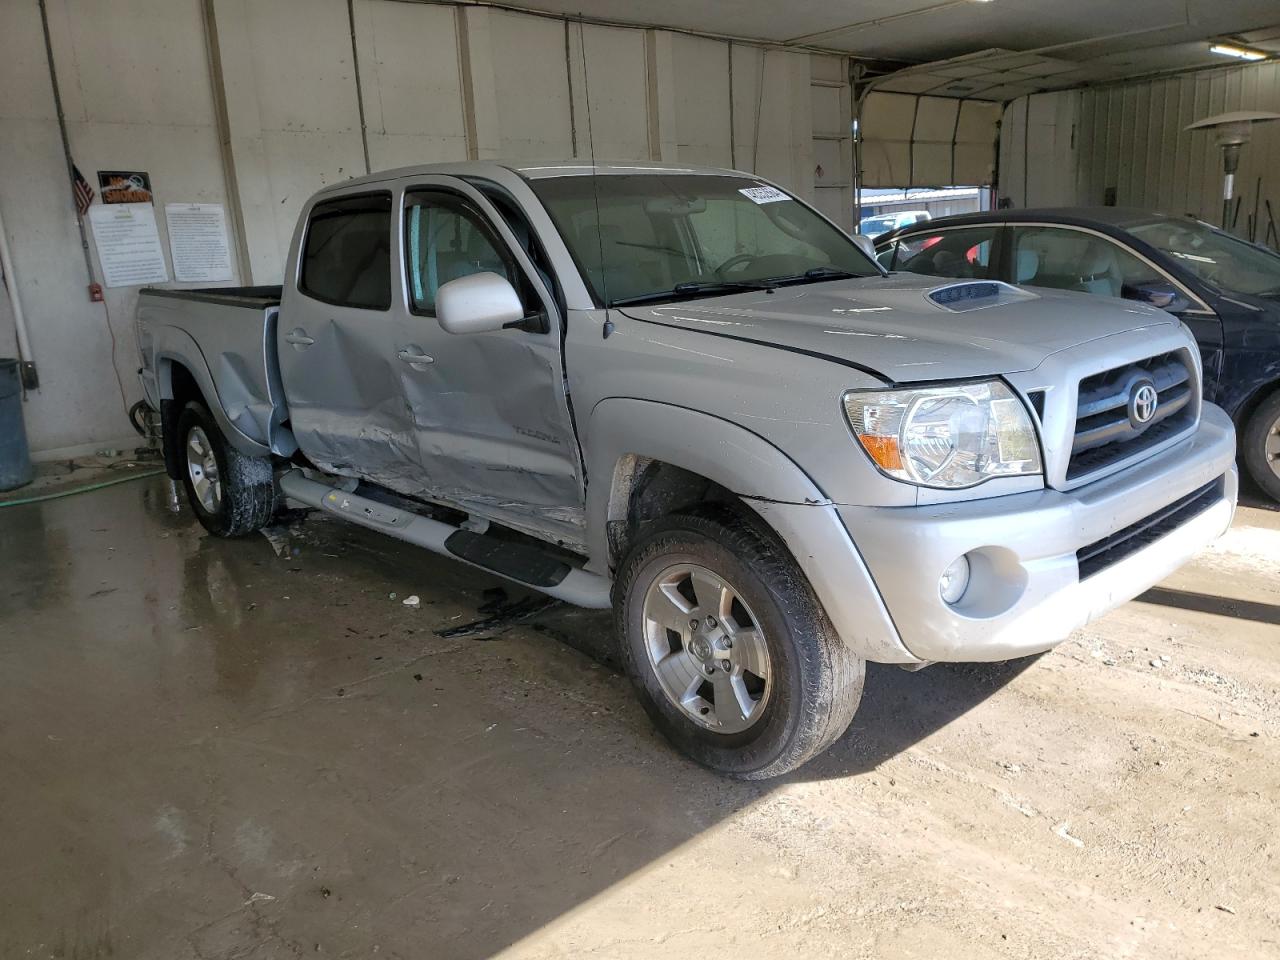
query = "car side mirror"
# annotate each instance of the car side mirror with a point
(865, 244)
(1159, 294)
(478, 303)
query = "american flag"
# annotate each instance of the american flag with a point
(82, 191)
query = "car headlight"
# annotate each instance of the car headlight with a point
(949, 436)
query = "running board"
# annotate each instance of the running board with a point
(522, 564)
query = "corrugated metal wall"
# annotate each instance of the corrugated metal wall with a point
(1072, 147)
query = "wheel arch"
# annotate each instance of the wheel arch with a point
(643, 463)
(643, 455)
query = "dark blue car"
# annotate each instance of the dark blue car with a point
(1227, 291)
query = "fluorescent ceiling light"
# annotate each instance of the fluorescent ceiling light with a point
(1242, 53)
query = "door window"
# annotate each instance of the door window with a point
(346, 259)
(961, 254)
(1075, 260)
(445, 238)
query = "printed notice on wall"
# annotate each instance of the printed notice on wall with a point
(198, 242)
(128, 244)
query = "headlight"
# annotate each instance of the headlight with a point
(948, 436)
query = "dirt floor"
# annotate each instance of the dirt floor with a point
(255, 749)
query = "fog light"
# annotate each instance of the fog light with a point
(955, 580)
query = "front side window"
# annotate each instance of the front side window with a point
(446, 238)
(1214, 256)
(1075, 260)
(659, 236)
(962, 254)
(346, 259)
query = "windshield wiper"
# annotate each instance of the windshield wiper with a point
(696, 288)
(817, 273)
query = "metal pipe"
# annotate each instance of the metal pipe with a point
(11, 284)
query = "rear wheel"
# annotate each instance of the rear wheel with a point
(1261, 443)
(733, 657)
(231, 494)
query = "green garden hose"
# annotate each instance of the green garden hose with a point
(84, 489)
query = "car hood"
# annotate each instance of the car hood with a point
(892, 326)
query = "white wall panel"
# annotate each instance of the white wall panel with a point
(701, 100)
(531, 86)
(411, 81)
(609, 70)
(256, 104)
(137, 96)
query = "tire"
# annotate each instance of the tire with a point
(245, 499)
(1263, 426)
(814, 682)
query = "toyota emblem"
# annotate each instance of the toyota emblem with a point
(1143, 400)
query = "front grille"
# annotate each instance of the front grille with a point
(1105, 433)
(1123, 543)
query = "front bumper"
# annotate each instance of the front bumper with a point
(1026, 593)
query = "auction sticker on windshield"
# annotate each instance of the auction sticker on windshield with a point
(763, 194)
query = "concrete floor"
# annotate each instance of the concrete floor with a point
(249, 749)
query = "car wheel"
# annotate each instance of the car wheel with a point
(732, 656)
(1261, 443)
(232, 494)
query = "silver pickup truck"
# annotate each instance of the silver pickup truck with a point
(686, 395)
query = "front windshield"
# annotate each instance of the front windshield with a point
(1213, 256)
(679, 236)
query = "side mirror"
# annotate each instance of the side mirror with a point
(1159, 294)
(478, 303)
(865, 244)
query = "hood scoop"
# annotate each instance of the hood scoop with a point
(976, 295)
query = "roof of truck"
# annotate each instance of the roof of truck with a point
(534, 170)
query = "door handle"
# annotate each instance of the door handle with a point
(412, 356)
(298, 337)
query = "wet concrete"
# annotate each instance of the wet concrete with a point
(221, 749)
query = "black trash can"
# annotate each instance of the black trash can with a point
(15, 459)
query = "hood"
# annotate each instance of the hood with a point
(892, 327)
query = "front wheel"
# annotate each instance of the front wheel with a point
(232, 494)
(1261, 446)
(732, 655)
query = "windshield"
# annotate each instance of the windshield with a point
(1213, 256)
(665, 237)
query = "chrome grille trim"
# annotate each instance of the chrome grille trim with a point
(1105, 433)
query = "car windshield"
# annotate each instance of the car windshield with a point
(1213, 256)
(655, 237)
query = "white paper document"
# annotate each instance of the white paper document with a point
(198, 242)
(128, 244)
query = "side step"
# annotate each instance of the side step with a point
(523, 564)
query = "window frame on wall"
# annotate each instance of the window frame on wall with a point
(338, 201)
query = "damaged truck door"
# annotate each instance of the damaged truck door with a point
(491, 411)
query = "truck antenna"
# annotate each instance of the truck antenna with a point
(595, 187)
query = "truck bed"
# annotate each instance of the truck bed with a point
(256, 297)
(226, 338)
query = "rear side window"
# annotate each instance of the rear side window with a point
(346, 260)
(958, 254)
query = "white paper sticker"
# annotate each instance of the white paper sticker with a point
(198, 242)
(763, 194)
(128, 244)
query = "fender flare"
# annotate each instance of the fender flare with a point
(766, 479)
